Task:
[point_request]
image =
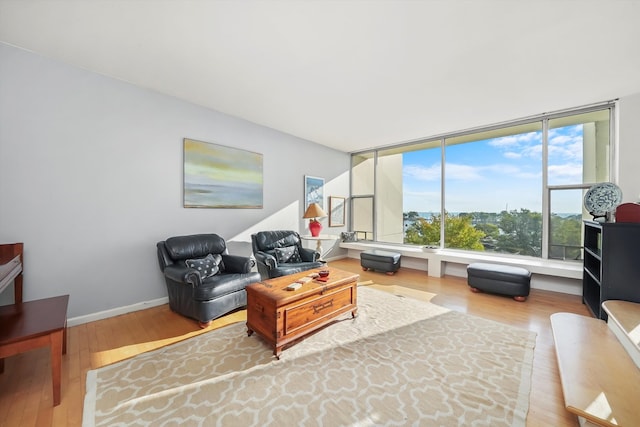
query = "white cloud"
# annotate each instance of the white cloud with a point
(519, 146)
(567, 173)
(463, 172)
(511, 140)
(422, 173)
(570, 150)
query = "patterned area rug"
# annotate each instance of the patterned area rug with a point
(400, 362)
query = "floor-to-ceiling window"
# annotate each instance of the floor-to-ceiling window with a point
(362, 194)
(409, 199)
(516, 188)
(579, 154)
(493, 190)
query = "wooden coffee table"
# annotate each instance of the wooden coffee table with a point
(281, 316)
(34, 324)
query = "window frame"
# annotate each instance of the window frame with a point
(495, 129)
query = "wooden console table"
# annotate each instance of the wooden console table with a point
(34, 324)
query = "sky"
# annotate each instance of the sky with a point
(496, 174)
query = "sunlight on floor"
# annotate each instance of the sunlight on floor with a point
(399, 290)
(600, 408)
(113, 355)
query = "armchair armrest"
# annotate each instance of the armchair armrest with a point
(237, 263)
(183, 274)
(308, 255)
(266, 259)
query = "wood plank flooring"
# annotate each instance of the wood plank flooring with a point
(25, 386)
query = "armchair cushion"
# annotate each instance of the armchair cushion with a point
(207, 266)
(288, 254)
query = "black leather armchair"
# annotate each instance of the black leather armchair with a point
(203, 280)
(280, 253)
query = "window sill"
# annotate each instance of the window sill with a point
(437, 258)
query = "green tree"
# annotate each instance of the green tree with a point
(521, 233)
(490, 230)
(459, 233)
(411, 216)
(565, 237)
(423, 231)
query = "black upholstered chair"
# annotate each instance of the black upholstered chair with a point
(280, 253)
(203, 280)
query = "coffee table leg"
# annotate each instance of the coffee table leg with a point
(56, 364)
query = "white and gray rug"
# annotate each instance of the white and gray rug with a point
(400, 362)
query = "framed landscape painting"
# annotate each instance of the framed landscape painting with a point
(313, 191)
(216, 176)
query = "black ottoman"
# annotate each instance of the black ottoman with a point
(499, 279)
(376, 259)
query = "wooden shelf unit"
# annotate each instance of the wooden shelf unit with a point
(611, 266)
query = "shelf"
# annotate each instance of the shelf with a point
(594, 253)
(593, 267)
(593, 276)
(591, 294)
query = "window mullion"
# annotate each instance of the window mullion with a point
(546, 195)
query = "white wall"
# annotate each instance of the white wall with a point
(629, 148)
(91, 179)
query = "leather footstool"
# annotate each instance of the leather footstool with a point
(379, 260)
(499, 279)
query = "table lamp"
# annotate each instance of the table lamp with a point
(314, 211)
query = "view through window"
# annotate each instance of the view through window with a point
(513, 189)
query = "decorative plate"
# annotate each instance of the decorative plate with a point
(602, 198)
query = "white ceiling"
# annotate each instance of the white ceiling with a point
(349, 74)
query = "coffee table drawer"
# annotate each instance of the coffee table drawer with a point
(318, 309)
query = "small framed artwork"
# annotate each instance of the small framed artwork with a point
(336, 211)
(313, 191)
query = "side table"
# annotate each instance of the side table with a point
(319, 240)
(34, 324)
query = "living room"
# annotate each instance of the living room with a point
(91, 170)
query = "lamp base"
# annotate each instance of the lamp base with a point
(315, 227)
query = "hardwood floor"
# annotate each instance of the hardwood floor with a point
(25, 386)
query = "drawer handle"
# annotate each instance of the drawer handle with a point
(259, 308)
(319, 307)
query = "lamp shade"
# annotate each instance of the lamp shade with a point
(314, 211)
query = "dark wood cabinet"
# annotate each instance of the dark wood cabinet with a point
(611, 264)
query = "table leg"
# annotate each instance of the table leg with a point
(319, 247)
(17, 289)
(64, 339)
(56, 364)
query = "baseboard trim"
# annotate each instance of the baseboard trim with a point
(79, 320)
